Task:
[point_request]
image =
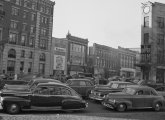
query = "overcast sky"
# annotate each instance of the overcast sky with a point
(108, 22)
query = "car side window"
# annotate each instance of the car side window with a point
(88, 83)
(65, 91)
(82, 83)
(55, 90)
(42, 91)
(75, 83)
(147, 92)
(122, 85)
(140, 92)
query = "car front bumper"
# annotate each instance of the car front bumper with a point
(109, 104)
(96, 97)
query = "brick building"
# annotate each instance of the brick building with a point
(26, 36)
(77, 54)
(105, 60)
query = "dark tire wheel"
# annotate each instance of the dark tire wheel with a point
(157, 107)
(13, 108)
(121, 107)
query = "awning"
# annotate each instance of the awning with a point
(143, 64)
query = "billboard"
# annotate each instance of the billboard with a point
(59, 62)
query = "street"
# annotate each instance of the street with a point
(95, 111)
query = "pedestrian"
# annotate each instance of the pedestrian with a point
(15, 77)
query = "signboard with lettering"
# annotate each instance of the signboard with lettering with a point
(146, 53)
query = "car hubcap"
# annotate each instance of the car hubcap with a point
(157, 107)
(13, 108)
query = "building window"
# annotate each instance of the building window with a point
(30, 67)
(43, 43)
(32, 29)
(44, 20)
(42, 9)
(31, 54)
(23, 53)
(146, 21)
(14, 24)
(34, 6)
(42, 57)
(13, 38)
(31, 41)
(146, 38)
(17, 2)
(23, 40)
(41, 68)
(10, 65)
(26, 3)
(47, 10)
(15, 11)
(12, 53)
(160, 39)
(24, 27)
(33, 17)
(21, 66)
(43, 31)
(0, 34)
(160, 21)
(25, 14)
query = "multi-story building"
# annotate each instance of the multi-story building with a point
(59, 55)
(77, 54)
(26, 36)
(127, 62)
(105, 60)
(152, 42)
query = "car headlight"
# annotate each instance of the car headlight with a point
(92, 91)
(112, 100)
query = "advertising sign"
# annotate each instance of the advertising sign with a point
(59, 62)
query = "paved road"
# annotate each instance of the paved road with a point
(95, 111)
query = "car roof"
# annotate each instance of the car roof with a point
(79, 79)
(52, 83)
(120, 82)
(45, 79)
(139, 87)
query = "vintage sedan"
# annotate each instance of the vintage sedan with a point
(101, 91)
(45, 96)
(81, 85)
(31, 84)
(135, 97)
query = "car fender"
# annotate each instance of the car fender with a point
(72, 104)
(158, 101)
(21, 101)
(127, 102)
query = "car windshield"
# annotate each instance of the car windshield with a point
(129, 91)
(114, 85)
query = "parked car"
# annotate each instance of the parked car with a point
(134, 97)
(82, 86)
(31, 85)
(101, 91)
(45, 96)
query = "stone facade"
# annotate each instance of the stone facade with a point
(34, 19)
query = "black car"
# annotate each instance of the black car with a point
(81, 85)
(45, 96)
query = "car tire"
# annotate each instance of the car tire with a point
(13, 108)
(157, 107)
(121, 107)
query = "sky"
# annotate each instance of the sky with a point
(107, 22)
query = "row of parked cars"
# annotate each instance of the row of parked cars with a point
(42, 93)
